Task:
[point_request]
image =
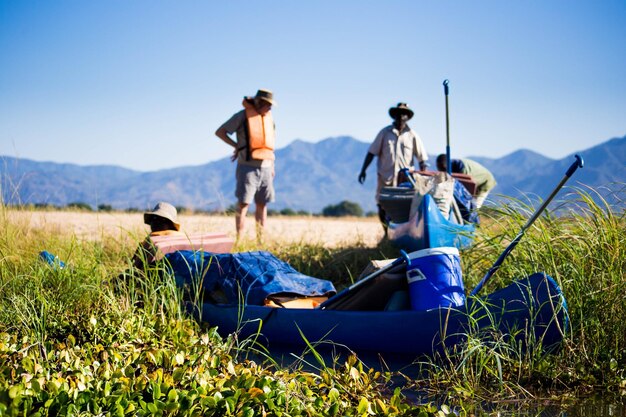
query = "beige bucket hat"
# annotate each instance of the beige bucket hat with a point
(165, 210)
(400, 108)
(266, 95)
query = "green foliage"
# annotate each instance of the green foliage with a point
(585, 252)
(79, 205)
(345, 208)
(105, 207)
(83, 341)
(80, 341)
(232, 209)
(288, 212)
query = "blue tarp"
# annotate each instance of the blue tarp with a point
(466, 204)
(251, 275)
(428, 228)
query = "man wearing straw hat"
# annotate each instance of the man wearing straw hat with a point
(254, 153)
(395, 146)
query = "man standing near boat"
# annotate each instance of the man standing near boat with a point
(395, 146)
(484, 179)
(254, 153)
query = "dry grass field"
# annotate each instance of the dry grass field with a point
(330, 232)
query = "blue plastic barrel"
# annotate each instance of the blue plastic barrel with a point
(435, 278)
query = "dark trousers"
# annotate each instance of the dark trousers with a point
(382, 216)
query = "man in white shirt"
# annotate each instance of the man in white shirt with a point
(395, 146)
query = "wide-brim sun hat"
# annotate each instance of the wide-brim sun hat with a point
(399, 109)
(266, 95)
(164, 210)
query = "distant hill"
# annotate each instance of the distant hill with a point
(530, 161)
(309, 176)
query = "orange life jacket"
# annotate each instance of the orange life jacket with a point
(260, 129)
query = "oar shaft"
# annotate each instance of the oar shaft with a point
(342, 294)
(578, 164)
(449, 165)
(545, 204)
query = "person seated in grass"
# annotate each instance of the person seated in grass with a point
(163, 221)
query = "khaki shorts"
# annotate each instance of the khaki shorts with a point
(254, 183)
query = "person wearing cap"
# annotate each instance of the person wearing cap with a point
(163, 221)
(254, 152)
(396, 146)
(485, 181)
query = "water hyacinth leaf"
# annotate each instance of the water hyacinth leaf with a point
(171, 406)
(209, 402)
(380, 406)
(156, 390)
(364, 406)
(172, 395)
(333, 394)
(248, 382)
(118, 410)
(230, 368)
(178, 374)
(34, 385)
(230, 405)
(15, 391)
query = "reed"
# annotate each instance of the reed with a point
(83, 340)
(79, 339)
(584, 249)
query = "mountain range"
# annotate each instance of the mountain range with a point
(309, 176)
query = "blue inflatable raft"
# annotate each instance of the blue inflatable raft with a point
(530, 309)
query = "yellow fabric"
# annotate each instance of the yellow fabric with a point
(310, 302)
(261, 138)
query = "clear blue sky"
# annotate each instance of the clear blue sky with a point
(144, 84)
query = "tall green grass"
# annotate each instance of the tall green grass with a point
(82, 341)
(77, 340)
(584, 250)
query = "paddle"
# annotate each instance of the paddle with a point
(577, 164)
(403, 258)
(445, 90)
